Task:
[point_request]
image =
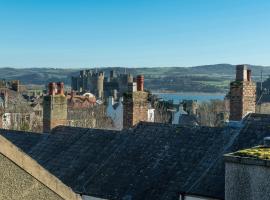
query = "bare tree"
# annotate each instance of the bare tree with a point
(213, 113)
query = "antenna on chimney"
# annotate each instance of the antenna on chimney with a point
(261, 80)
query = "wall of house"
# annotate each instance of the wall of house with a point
(247, 180)
(115, 114)
(151, 115)
(16, 184)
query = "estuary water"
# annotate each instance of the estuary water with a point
(200, 97)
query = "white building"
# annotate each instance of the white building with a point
(176, 115)
(151, 115)
(115, 112)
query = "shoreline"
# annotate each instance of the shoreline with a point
(190, 93)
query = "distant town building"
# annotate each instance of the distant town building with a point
(14, 85)
(150, 114)
(75, 101)
(182, 117)
(177, 114)
(114, 110)
(191, 107)
(242, 94)
(54, 107)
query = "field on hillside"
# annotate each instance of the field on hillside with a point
(209, 78)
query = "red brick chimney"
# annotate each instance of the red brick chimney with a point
(60, 88)
(140, 83)
(52, 88)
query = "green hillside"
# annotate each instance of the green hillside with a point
(207, 78)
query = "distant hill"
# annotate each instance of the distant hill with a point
(207, 78)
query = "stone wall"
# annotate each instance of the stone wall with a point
(247, 179)
(16, 184)
(54, 111)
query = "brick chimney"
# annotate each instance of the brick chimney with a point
(135, 103)
(242, 94)
(54, 107)
(60, 88)
(140, 83)
(52, 88)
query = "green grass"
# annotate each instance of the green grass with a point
(258, 152)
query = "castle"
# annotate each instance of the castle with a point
(89, 81)
(96, 82)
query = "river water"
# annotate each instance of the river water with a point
(200, 97)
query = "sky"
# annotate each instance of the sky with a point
(133, 33)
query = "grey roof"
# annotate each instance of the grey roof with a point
(150, 161)
(186, 119)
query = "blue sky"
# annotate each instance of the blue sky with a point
(133, 33)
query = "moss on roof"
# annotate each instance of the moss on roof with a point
(259, 152)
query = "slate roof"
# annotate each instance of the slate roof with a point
(151, 161)
(186, 119)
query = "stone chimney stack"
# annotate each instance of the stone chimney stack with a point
(135, 103)
(54, 107)
(140, 83)
(242, 94)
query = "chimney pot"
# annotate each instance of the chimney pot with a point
(60, 88)
(241, 73)
(132, 87)
(248, 75)
(140, 83)
(52, 88)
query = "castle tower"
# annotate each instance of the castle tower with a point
(100, 85)
(135, 104)
(242, 94)
(54, 107)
